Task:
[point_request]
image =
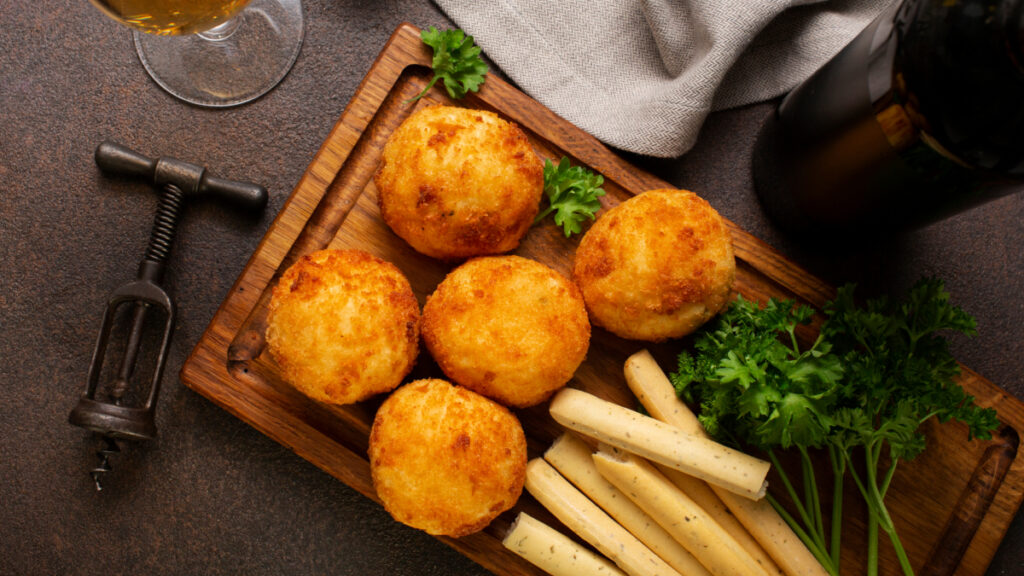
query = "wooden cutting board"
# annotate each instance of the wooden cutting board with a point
(952, 505)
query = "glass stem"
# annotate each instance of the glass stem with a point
(222, 31)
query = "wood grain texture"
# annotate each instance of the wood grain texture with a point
(957, 497)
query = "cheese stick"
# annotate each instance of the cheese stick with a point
(676, 513)
(590, 523)
(554, 552)
(654, 390)
(657, 395)
(767, 527)
(572, 458)
(660, 442)
(703, 494)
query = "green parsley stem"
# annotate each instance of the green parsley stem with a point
(811, 491)
(886, 523)
(801, 511)
(425, 90)
(888, 477)
(878, 514)
(925, 418)
(872, 522)
(814, 547)
(872, 536)
(544, 214)
(794, 345)
(813, 533)
(838, 473)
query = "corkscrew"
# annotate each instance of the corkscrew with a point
(108, 411)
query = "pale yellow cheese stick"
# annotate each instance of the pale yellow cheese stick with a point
(703, 495)
(676, 513)
(767, 527)
(659, 442)
(572, 458)
(654, 390)
(590, 523)
(657, 395)
(554, 552)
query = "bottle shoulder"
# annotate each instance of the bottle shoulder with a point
(957, 71)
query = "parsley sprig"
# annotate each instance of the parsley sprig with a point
(573, 193)
(456, 61)
(859, 391)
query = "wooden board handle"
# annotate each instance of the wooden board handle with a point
(973, 504)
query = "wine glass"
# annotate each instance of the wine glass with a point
(214, 53)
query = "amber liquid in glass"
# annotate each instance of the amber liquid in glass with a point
(171, 17)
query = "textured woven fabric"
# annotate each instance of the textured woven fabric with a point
(642, 75)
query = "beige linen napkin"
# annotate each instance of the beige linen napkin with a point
(642, 75)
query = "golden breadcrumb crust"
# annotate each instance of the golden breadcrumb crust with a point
(445, 459)
(343, 325)
(507, 327)
(456, 183)
(656, 266)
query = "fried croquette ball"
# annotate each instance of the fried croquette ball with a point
(656, 266)
(507, 327)
(456, 183)
(343, 325)
(445, 459)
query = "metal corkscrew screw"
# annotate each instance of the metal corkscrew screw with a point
(111, 416)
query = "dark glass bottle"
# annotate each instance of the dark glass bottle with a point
(919, 117)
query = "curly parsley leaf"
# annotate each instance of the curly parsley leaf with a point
(895, 354)
(750, 376)
(456, 62)
(573, 193)
(862, 389)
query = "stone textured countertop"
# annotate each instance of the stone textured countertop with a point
(211, 495)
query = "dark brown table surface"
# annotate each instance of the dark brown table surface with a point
(211, 495)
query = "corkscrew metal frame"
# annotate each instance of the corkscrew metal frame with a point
(177, 182)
